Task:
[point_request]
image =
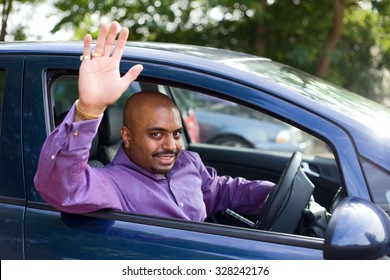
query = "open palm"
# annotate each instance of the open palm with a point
(100, 81)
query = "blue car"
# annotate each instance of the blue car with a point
(331, 201)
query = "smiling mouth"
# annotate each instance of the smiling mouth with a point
(166, 158)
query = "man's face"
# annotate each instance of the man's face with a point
(155, 139)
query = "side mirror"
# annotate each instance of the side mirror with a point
(358, 229)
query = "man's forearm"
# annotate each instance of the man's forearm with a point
(63, 161)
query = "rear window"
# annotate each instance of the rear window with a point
(65, 92)
(2, 84)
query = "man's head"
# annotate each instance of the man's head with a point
(152, 131)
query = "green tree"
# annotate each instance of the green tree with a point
(344, 41)
(6, 11)
(7, 8)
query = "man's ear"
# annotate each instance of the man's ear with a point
(126, 136)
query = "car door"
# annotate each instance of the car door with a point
(50, 234)
(12, 191)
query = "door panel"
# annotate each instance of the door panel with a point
(52, 235)
(11, 231)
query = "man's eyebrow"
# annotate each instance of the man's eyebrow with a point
(180, 129)
(156, 129)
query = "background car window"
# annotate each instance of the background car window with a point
(220, 122)
(2, 83)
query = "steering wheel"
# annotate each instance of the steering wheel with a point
(282, 210)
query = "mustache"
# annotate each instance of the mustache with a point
(165, 152)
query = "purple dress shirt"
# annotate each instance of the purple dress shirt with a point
(190, 191)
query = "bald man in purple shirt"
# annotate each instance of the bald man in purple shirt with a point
(151, 173)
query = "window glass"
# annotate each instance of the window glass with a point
(212, 120)
(65, 92)
(378, 183)
(2, 85)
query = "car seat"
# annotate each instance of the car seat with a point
(110, 137)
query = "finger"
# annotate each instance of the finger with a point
(120, 44)
(99, 47)
(87, 46)
(111, 38)
(132, 74)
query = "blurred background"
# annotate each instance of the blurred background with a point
(346, 42)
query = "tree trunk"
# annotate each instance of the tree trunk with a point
(260, 32)
(7, 7)
(260, 41)
(332, 39)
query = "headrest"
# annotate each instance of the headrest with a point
(94, 146)
(109, 129)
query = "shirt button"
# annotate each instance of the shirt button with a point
(53, 157)
(181, 204)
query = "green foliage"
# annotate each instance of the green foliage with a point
(289, 31)
(19, 34)
(8, 7)
(362, 57)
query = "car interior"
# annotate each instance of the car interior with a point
(308, 183)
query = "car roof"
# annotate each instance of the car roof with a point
(73, 47)
(352, 112)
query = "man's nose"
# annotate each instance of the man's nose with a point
(169, 143)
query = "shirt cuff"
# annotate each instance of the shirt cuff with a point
(80, 133)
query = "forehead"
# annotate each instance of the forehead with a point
(162, 118)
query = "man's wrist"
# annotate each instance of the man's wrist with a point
(80, 115)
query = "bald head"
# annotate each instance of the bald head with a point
(139, 104)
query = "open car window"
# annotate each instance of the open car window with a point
(2, 84)
(224, 123)
(228, 126)
(211, 120)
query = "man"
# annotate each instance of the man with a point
(150, 174)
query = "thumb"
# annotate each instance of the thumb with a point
(133, 73)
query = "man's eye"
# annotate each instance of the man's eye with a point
(156, 134)
(177, 134)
